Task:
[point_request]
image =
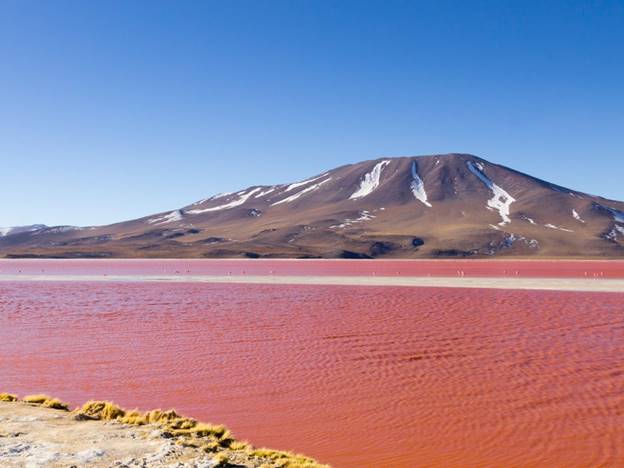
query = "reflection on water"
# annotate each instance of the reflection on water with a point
(354, 376)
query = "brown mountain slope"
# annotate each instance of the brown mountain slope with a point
(410, 207)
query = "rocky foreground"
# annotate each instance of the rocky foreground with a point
(40, 431)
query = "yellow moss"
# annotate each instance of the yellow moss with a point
(221, 459)
(159, 416)
(200, 430)
(211, 446)
(182, 423)
(134, 417)
(207, 430)
(104, 410)
(8, 397)
(239, 445)
(36, 399)
(56, 404)
(186, 423)
(46, 401)
(193, 443)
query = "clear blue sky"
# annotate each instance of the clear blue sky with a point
(111, 110)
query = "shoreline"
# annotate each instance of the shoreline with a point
(328, 259)
(518, 283)
(42, 431)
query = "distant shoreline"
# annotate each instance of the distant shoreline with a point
(567, 259)
(520, 283)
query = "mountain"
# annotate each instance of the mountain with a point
(453, 205)
(6, 231)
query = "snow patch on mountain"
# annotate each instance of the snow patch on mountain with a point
(612, 235)
(266, 192)
(501, 201)
(56, 229)
(577, 216)
(220, 195)
(363, 215)
(370, 181)
(552, 226)
(304, 182)
(508, 241)
(214, 197)
(243, 197)
(618, 215)
(418, 186)
(175, 215)
(303, 192)
(8, 231)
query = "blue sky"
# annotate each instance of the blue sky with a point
(116, 109)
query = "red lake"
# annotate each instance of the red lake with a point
(355, 376)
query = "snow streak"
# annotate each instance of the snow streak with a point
(243, 197)
(370, 181)
(168, 218)
(501, 201)
(303, 192)
(418, 186)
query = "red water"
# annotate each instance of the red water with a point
(354, 376)
(475, 268)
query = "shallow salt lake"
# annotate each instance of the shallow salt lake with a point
(353, 376)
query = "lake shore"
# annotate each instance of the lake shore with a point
(103, 435)
(518, 283)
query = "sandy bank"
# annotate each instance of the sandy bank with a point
(555, 284)
(36, 436)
